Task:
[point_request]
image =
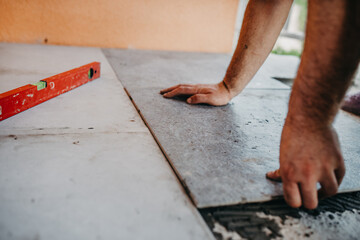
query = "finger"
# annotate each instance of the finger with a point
(292, 194)
(199, 98)
(181, 91)
(339, 173)
(309, 194)
(329, 186)
(169, 89)
(172, 88)
(274, 175)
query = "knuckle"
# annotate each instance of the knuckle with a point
(307, 170)
(327, 167)
(339, 156)
(341, 168)
(331, 190)
(287, 172)
(176, 91)
(206, 98)
(195, 98)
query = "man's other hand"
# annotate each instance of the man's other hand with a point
(212, 94)
(306, 158)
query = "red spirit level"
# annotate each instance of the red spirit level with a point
(25, 97)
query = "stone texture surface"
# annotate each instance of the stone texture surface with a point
(221, 154)
(337, 217)
(160, 69)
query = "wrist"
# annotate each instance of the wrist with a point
(306, 115)
(233, 89)
(304, 123)
(310, 104)
(225, 91)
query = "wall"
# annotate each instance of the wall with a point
(181, 25)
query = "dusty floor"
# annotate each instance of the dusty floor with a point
(206, 146)
(337, 217)
(83, 165)
(87, 159)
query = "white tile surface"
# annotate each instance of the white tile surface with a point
(22, 64)
(101, 104)
(91, 186)
(61, 182)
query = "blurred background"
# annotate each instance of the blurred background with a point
(198, 26)
(202, 25)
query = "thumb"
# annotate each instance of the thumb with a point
(198, 98)
(274, 175)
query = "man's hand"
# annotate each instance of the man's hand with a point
(306, 158)
(263, 21)
(309, 149)
(212, 94)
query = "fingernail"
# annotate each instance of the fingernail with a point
(274, 176)
(268, 174)
(189, 100)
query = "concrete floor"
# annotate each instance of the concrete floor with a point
(83, 165)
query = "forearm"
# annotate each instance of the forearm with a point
(262, 24)
(330, 57)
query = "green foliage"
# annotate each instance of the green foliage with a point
(281, 51)
(303, 13)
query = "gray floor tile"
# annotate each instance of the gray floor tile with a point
(221, 154)
(161, 69)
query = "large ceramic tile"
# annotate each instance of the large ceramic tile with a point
(222, 153)
(98, 106)
(161, 69)
(22, 64)
(91, 186)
